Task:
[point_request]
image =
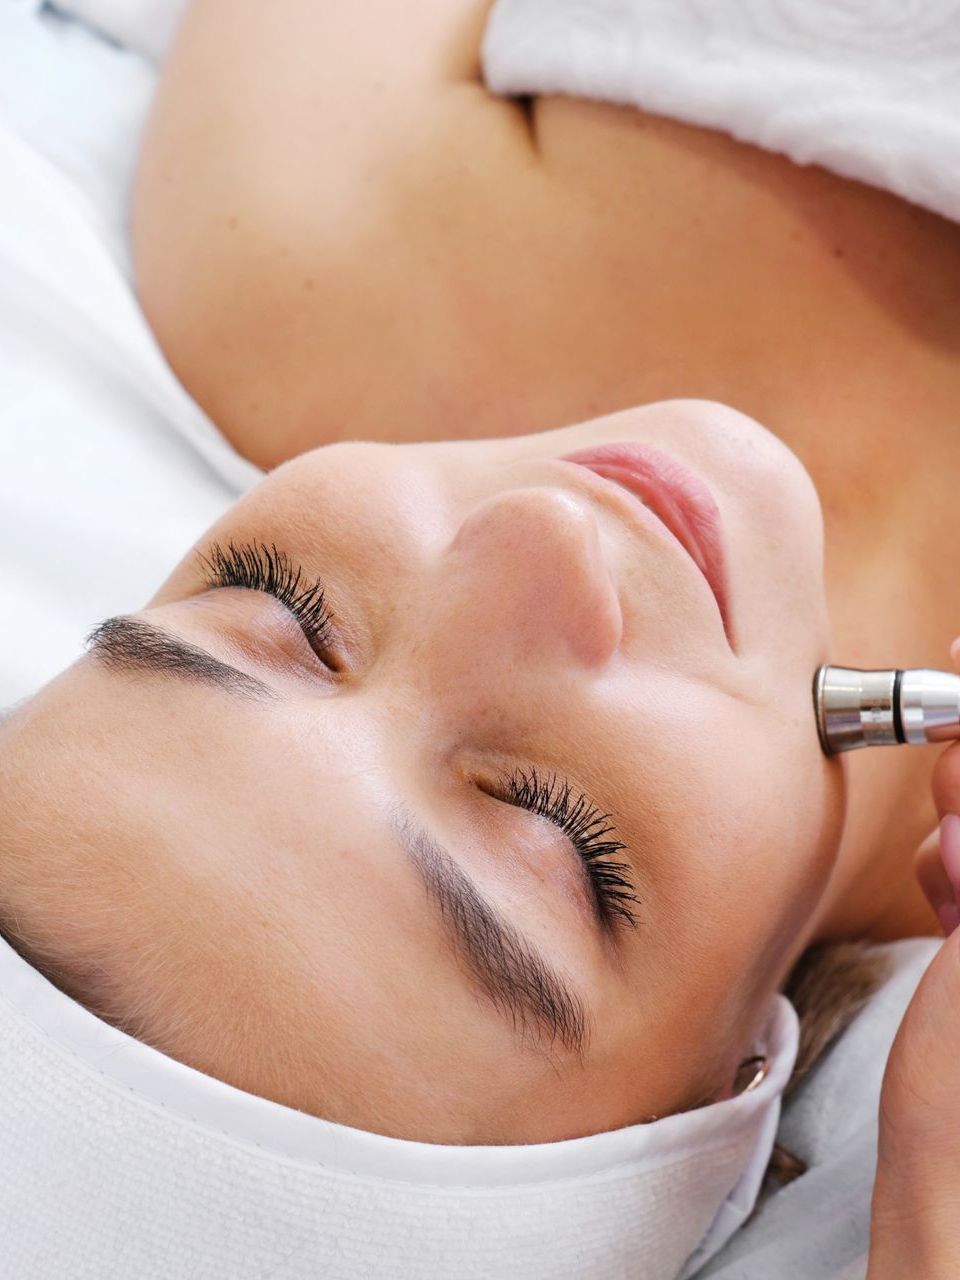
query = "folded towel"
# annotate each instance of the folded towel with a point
(867, 88)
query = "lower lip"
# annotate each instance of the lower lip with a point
(679, 499)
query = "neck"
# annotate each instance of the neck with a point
(873, 417)
(843, 341)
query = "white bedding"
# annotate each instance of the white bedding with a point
(108, 470)
(145, 26)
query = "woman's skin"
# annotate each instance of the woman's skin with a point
(336, 241)
(235, 879)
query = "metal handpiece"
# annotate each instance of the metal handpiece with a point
(882, 708)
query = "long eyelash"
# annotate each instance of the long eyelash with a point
(258, 567)
(588, 830)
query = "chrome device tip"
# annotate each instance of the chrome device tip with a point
(884, 708)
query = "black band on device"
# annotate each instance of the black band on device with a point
(897, 715)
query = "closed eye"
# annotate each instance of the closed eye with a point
(590, 832)
(257, 567)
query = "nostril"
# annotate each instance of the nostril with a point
(537, 556)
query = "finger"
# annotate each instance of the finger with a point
(928, 1040)
(919, 1142)
(937, 861)
(950, 849)
(935, 882)
(945, 781)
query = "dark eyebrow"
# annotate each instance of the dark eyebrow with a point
(509, 969)
(127, 644)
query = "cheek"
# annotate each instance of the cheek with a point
(748, 814)
(769, 831)
(736, 890)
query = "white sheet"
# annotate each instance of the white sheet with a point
(108, 470)
(145, 26)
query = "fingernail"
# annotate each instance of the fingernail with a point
(955, 650)
(950, 848)
(949, 915)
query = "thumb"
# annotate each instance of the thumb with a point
(921, 1084)
(946, 774)
(937, 861)
(938, 887)
(918, 1166)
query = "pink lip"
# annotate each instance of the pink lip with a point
(679, 499)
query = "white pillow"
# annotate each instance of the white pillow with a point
(146, 26)
(108, 470)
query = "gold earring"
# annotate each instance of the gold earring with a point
(752, 1070)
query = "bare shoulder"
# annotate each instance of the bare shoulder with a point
(340, 234)
(303, 173)
(326, 254)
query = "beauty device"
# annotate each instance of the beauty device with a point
(883, 708)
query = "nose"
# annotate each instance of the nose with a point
(528, 570)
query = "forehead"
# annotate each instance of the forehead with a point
(269, 858)
(189, 899)
(189, 843)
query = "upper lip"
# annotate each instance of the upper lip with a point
(678, 498)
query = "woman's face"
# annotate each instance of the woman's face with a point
(368, 873)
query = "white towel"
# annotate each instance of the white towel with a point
(146, 26)
(867, 88)
(118, 1163)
